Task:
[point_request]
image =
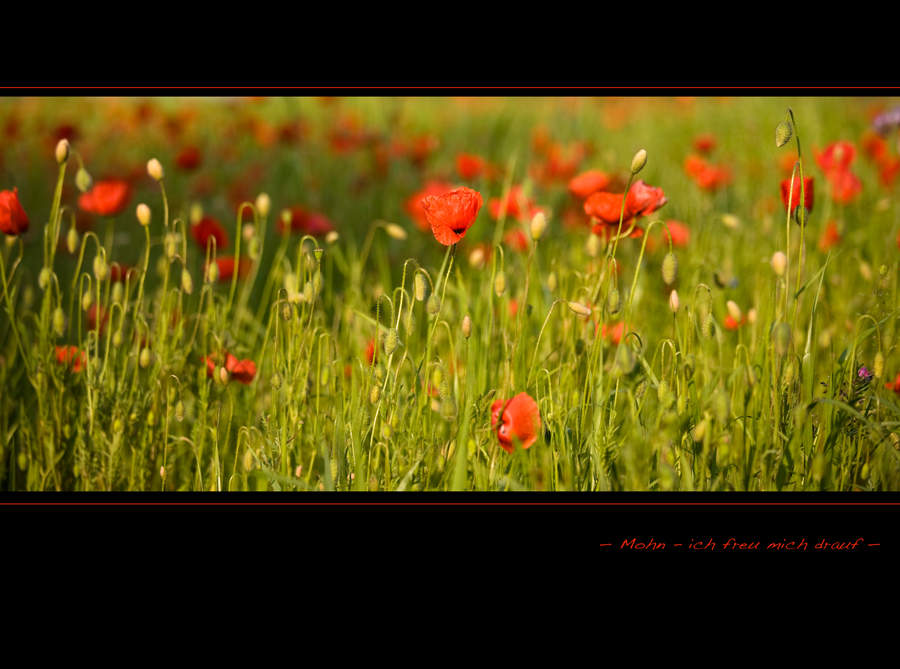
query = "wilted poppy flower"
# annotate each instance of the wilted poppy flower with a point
(521, 421)
(469, 165)
(452, 214)
(895, 386)
(13, 219)
(239, 370)
(226, 268)
(587, 183)
(795, 196)
(413, 204)
(189, 158)
(305, 222)
(206, 228)
(106, 198)
(70, 355)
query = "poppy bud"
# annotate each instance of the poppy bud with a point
(391, 341)
(879, 364)
(145, 358)
(638, 162)
(779, 263)
(673, 301)
(783, 133)
(72, 240)
(179, 411)
(731, 221)
(434, 305)
(641, 389)
(155, 169)
(782, 338)
(613, 302)
(62, 151)
(83, 180)
(708, 329)
(212, 272)
(44, 278)
(332, 237)
(665, 394)
(187, 283)
(143, 214)
(287, 311)
(87, 300)
(395, 231)
(670, 269)
(592, 246)
(579, 309)
(101, 269)
(117, 339)
(789, 374)
(419, 284)
(253, 248)
(689, 365)
(467, 326)
(734, 311)
(59, 322)
(410, 324)
(751, 316)
(118, 292)
(538, 226)
(263, 203)
(437, 376)
(275, 381)
(247, 460)
(500, 283)
(476, 257)
(682, 403)
(223, 375)
(196, 213)
(552, 282)
(375, 394)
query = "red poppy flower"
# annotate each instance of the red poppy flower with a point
(845, 186)
(587, 183)
(837, 156)
(518, 240)
(371, 351)
(830, 237)
(517, 205)
(731, 324)
(305, 222)
(606, 207)
(206, 228)
(239, 370)
(521, 421)
(469, 165)
(613, 333)
(13, 219)
(708, 177)
(119, 272)
(106, 198)
(795, 196)
(189, 158)
(92, 318)
(70, 355)
(895, 386)
(451, 215)
(705, 143)
(226, 268)
(874, 146)
(889, 169)
(413, 204)
(643, 199)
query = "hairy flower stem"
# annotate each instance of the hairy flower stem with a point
(237, 257)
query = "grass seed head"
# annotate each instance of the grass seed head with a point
(248, 460)
(670, 269)
(467, 326)
(287, 311)
(638, 162)
(682, 403)
(641, 389)
(789, 374)
(375, 394)
(708, 329)
(783, 133)
(690, 363)
(308, 291)
(179, 411)
(665, 394)
(275, 381)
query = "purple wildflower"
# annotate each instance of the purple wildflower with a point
(887, 122)
(864, 374)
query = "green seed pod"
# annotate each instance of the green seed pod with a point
(500, 283)
(179, 411)
(670, 269)
(391, 341)
(308, 291)
(145, 358)
(437, 376)
(118, 292)
(783, 133)
(59, 322)
(613, 302)
(117, 339)
(789, 374)
(879, 364)
(72, 240)
(87, 300)
(665, 394)
(709, 326)
(83, 180)
(248, 460)
(375, 394)
(325, 376)
(22, 460)
(101, 269)
(641, 389)
(448, 409)
(275, 381)
(410, 324)
(318, 253)
(682, 403)
(44, 278)
(287, 311)
(690, 363)
(187, 283)
(253, 247)
(782, 338)
(865, 471)
(420, 286)
(434, 305)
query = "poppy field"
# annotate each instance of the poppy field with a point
(449, 294)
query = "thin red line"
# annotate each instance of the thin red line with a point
(452, 503)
